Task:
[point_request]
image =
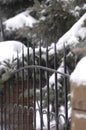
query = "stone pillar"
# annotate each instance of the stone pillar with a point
(78, 99)
(78, 96)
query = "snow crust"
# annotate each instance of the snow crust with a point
(19, 21)
(78, 76)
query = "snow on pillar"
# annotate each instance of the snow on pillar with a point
(78, 96)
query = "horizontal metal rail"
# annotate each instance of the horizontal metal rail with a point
(42, 67)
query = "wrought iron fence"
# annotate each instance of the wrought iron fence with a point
(29, 101)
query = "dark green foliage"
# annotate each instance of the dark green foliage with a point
(79, 2)
(54, 21)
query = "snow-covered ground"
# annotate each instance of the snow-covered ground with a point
(53, 122)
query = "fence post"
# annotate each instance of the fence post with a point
(78, 96)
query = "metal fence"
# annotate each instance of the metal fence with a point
(28, 101)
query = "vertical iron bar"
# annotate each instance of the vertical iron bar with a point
(40, 87)
(9, 104)
(0, 111)
(48, 102)
(17, 87)
(28, 86)
(66, 91)
(22, 88)
(1, 102)
(5, 105)
(13, 126)
(34, 79)
(2, 30)
(56, 89)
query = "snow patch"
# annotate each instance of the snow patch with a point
(79, 116)
(19, 21)
(74, 35)
(59, 76)
(84, 7)
(79, 74)
(9, 49)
